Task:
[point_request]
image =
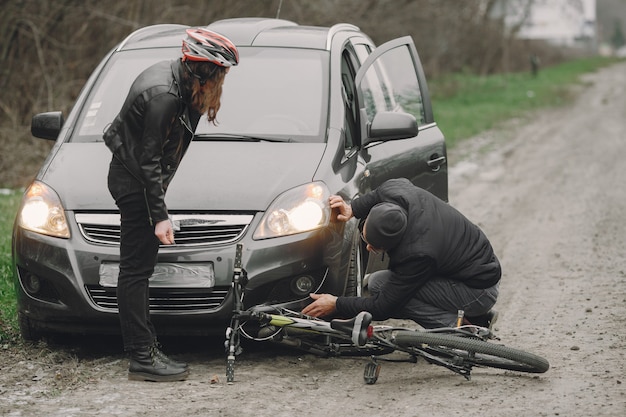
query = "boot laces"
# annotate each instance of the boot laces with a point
(158, 357)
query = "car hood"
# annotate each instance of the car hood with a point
(212, 176)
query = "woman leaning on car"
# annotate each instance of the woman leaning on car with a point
(148, 139)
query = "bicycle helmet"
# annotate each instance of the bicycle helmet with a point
(203, 45)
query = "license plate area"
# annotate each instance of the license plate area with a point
(166, 275)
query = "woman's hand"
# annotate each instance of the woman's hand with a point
(164, 231)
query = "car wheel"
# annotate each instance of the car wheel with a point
(356, 271)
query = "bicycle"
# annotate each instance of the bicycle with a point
(458, 349)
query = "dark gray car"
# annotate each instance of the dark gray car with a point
(309, 112)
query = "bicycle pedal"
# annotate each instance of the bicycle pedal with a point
(372, 370)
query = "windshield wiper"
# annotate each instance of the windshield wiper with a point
(242, 138)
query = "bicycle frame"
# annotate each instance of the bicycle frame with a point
(455, 348)
(354, 331)
(232, 343)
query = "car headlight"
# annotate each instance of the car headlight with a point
(42, 212)
(298, 210)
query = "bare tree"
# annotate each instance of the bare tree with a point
(49, 47)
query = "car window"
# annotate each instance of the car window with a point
(347, 84)
(109, 92)
(362, 51)
(391, 84)
(277, 92)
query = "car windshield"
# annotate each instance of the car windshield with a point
(279, 94)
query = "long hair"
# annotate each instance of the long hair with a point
(205, 99)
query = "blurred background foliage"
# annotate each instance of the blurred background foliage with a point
(49, 47)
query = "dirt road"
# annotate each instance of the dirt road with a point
(549, 192)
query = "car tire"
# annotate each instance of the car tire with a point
(27, 330)
(356, 272)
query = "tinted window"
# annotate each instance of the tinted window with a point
(276, 92)
(347, 83)
(391, 84)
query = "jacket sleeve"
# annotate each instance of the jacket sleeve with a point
(159, 116)
(402, 285)
(392, 191)
(361, 206)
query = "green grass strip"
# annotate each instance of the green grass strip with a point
(9, 203)
(466, 104)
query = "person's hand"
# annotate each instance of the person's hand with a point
(324, 305)
(344, 209)
(164, 231)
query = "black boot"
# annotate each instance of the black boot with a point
(166, 359)
(487, 320)
(145, 365)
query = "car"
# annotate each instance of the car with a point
(309, 112)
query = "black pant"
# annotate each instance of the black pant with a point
(138, 255)
(437, 302)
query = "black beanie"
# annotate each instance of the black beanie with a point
(385, 225)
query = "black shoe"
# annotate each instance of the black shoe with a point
(166, 359)
(487, 320)
(145, 365)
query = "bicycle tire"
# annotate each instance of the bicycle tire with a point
(474, 351)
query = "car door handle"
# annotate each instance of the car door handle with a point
(436, 162)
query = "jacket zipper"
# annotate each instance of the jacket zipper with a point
(145, 197)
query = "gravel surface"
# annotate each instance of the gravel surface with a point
(549, 192)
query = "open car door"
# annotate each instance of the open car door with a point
(394, 105)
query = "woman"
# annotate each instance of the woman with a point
(148, 139)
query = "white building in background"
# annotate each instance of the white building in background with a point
(561, 22)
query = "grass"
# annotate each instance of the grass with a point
(9, 203)
(464, 105)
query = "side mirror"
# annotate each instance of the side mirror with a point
(47, 125)
(391, 126)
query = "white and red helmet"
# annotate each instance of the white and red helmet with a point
(203, 45)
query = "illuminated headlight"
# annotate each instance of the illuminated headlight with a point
(42, 212)
(298, 210)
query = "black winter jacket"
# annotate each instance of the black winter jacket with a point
(152, 131)
(439, 242)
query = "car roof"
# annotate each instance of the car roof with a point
(247, 31)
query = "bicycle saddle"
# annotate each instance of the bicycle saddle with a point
(355, 327)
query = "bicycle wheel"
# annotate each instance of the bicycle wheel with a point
(473, 351)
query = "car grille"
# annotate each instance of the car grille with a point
(166, 299)
(190, 229)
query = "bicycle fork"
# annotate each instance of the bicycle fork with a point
(233, 345)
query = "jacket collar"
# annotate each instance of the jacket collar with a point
(177, 68)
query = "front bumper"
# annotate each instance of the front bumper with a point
(59, 290)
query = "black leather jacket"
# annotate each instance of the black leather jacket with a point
(439, 242)
(152, 131)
